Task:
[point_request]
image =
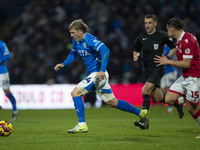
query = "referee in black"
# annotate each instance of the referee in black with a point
(151, 43)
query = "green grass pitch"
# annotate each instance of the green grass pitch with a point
(109, 129)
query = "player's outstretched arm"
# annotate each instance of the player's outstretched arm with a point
(58, 67)
(172, 53)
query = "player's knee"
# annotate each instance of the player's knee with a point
(76, 92)
(168, 101)
(112, 103)
(73, 94)
(145, 91)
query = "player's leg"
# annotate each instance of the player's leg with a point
(193, 98)
(167, 80)
(83, 88)
(164, 90)
(13, 102)
(157, 94)
(175, 99)
(5, 84)
(176, 95)
(123, 105)
(194, 111)
(146, 90)
(153, 76)
(81, 127)
(107, 96)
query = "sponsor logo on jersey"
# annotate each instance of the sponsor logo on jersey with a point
(156, 46)
(83, 53)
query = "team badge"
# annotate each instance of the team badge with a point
(84, 45)
(156, 46)
(187, 51)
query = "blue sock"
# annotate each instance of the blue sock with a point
(79, 107)
(12, 100)
(125, 106)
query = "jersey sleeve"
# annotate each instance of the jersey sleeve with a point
(102, 49)
(95, 44)
(72, 55)
(187, 48)
(169, 41)
(137, 45)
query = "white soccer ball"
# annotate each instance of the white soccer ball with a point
(99, 84)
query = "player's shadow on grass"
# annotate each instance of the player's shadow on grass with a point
(114, 139)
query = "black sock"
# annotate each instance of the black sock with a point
(146, 101)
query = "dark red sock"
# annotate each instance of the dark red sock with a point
(195, 116)
(175, 103)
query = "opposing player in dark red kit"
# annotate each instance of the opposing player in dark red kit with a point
(188, 54)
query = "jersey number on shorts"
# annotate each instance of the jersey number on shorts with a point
(5, 82)
(88, 79)
(195, 94)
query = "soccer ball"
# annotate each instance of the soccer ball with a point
(99, 84)
(5, 128)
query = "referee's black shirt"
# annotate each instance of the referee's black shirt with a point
(152, 45)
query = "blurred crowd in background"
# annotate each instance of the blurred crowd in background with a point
(38, 38)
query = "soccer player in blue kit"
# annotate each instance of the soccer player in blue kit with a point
(4, 77)
(95, 56)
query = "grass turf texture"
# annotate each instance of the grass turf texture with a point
(109, 129)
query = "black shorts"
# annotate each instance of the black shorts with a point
(154, 75)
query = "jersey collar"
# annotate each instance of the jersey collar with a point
(83, 38)
(182, 34)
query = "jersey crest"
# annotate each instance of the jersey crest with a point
(156, 46)
(84, 45)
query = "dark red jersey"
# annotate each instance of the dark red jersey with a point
(188, 47)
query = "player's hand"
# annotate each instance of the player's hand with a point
(58, 67)
(135, 56)
(101, 75)
(161, 60)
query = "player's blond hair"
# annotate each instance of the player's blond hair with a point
(78, 24)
